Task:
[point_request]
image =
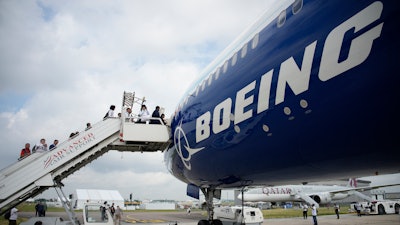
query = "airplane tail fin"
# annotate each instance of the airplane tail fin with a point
(352, 182)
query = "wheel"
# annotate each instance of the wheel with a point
(396, 208)
(203, 222)
(217, 222)
(381, 210)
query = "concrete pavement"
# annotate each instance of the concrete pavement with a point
(182, 218)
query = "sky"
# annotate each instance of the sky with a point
(63, 63)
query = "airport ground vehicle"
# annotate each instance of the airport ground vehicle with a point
(377, 207)
(92, 214)
(231, 215)
(46, 221)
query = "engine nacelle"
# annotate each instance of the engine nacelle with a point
(322, 198)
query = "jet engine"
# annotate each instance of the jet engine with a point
(322, 198)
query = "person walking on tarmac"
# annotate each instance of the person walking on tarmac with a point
(13, 216)
(305, 211)
(314, 213)
(112, 210)
(118, 215)
(103, 210)
(337, 210)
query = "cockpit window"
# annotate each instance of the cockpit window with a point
(255, 41)
(234, 59)
(225, 68)
(297, 5)
(210, 79)
(281, 18)
(244, 51)
(217, 73)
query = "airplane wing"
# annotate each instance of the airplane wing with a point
(308, 197)
(367, 188)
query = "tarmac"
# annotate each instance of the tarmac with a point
(182, 218)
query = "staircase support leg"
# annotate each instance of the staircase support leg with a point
(67, 205)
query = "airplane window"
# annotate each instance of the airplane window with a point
(297, 5)
(281, 18)
(244, 51)
(234, 59)
(303, 103)
(225, 66)
(254, 43)
(287, 110)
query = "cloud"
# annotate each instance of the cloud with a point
(63, 63)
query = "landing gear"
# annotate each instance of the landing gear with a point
(210, 194)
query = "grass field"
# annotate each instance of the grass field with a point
(296, 212)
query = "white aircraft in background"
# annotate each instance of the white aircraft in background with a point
(312, 194)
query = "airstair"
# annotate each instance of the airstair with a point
(40, 171)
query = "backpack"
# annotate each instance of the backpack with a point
(7, 215)
(34, 149)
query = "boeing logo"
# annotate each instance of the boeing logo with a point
(294, 76)
(182, 146)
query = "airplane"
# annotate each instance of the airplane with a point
(312, 194)
(309, 92)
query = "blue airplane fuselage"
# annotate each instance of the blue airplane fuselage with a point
(310, 94)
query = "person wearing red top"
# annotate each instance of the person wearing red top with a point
(25, 151)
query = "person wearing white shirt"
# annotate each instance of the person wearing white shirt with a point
(41, 147)
(144, 115)
(110, 112)
(337, 210)
(305, 211)
(13, 216)
(314, 213)
(128, 114)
